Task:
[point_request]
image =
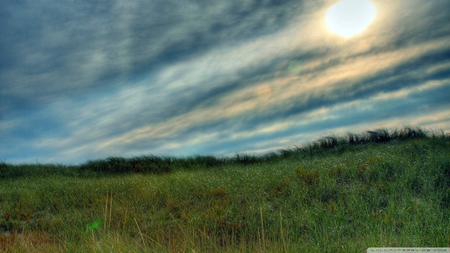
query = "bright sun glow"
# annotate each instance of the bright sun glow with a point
(349, 17)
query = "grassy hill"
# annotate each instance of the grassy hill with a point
(338, 194)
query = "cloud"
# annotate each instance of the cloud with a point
(66, 48)
(247, 119)
(95, 79)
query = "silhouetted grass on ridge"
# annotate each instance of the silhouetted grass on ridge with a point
(8, 171)
(161, 165)
(340, 144)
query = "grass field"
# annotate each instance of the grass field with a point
(338, 194)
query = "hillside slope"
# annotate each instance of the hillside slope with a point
(339, 194)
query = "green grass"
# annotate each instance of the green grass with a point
(338, 194)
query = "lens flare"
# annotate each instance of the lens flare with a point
(94, 225)
(265, 92)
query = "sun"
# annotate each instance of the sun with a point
(350, 17)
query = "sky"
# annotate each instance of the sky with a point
(89, 79)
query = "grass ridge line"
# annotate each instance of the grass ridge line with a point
(161, 165)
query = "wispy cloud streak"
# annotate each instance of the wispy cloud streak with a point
(88, 80)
